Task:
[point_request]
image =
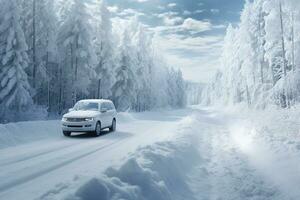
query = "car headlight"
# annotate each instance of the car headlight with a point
(89, 119)
(65, 119)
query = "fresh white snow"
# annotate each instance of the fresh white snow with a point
(194, 153)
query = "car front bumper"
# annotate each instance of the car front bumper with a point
(78, 126)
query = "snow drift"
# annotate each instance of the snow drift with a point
(159, 171)
(154, 172)
(13, 134)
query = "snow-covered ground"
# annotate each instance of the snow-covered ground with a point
(194, 153)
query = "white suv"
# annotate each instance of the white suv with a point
(90, 115)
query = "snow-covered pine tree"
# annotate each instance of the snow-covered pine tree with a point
(123, 89)
(171, 87)
(181, 90)
(39, 23)
(229, 71)
(260, 57)
(175, 89)
(159, 72)
(63, 8)
(75, 40)
(276, 50)
(14, 86)
(47, 53)
(143, 43)
(253, 68)
(103, 44)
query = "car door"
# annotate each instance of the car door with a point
(110, 113)
(105, 114)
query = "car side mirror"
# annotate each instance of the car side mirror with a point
(71, 109)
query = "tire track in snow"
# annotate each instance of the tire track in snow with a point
(43, 153)
(21, 180)
(34, 160)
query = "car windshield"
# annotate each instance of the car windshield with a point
(86, 106)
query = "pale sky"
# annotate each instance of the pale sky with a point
(188, 32)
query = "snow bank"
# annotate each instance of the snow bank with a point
(158, 171)
(279, 136)
(262, 150)
(124, 117)
(23, 132)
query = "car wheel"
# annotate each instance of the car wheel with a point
(113, 126)
(98, 129)
(67, 133)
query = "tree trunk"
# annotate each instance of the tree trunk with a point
(282, 41)
(293, 94)
(261, 72)
(76, 70)
(73, 76)
(99, 88)
(261, 46)
(34, 47)
(48, 82)
(248, 95)
(293, 43)
(60, 90)
(285, 95)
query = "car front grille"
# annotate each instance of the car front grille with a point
(75, 119)
(72, 126)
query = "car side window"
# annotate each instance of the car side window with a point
(105, 106)
(112, 107)
(108, 106)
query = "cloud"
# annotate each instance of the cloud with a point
(214, 11)
(199, 45)
(197, 56)
(198, 11)
(170, 21)
(186, 12)
(196, 25)
(139, 1)
(161, 7)
(170, 18)
(130, 12)
(166, 14)
(113, 9)
(174, 23)
(200, 4)
(172, 5)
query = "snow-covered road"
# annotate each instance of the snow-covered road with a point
(194, 153)
(35, 167)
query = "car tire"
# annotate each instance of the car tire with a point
(97, 131)
(67, 133)
(113, 126)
